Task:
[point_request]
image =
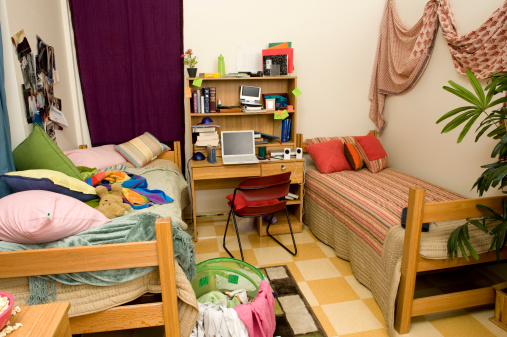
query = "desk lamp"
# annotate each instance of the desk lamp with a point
(198, 155)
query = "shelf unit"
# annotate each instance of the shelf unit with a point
(227, 90)
(216, 176)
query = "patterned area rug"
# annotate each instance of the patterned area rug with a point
(294, 316)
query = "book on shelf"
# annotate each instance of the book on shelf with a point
(204, 130)
(206, 142)
(285, 130)
(195, 102)
(205, 94)
(204, 136)
(201, 109)
(198, 101)
(261, 141)
(212, 99)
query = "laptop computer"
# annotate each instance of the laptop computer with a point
(238, 147)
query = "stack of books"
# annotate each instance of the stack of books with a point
(204, 100)
(206, 136)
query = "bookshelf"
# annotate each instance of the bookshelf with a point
(217, 176)
(227, 90)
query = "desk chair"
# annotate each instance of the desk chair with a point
(258, 196)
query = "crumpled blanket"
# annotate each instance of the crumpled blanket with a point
(129, 228)
(135, 188)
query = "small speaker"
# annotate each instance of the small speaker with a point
(299, 153)
(286, 153)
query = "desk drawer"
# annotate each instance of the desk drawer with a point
(231, 171)
(277, 168)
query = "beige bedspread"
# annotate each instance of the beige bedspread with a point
(378, 272)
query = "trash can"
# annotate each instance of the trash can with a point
(226, 274)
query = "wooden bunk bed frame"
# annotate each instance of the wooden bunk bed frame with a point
(418, 213)
(125, 255)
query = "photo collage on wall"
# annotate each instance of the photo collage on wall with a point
(39, 75)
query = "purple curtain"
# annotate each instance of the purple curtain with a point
(129, 58)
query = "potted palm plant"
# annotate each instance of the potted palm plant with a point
(492, 117)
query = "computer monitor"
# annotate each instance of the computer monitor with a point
(250, 94)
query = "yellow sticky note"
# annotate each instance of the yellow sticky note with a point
(296, 92)
(285, 114)
(188, 92)
(197, 82)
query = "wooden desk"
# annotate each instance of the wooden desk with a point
(45, 320)
(206, 176)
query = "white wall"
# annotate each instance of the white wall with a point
(43, 18)
(335, 44)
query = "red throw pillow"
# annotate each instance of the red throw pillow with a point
(329, 156)
(240, 203)
(373, 153)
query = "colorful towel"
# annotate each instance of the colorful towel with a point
(135, 191)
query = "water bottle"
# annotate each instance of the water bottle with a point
(221, 66)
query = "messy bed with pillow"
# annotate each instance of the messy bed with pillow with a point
(54, 204)
(354, 203)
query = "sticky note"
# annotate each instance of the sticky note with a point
(281, 114)
(296, 92)
(188, 92)
(197, 82)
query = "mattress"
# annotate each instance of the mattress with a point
(358, 214)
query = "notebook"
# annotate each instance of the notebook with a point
(238, 147)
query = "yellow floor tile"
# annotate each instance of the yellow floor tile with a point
(461, 325)
(247, 253)
(205, 232)
(272, 255)
(257, 241)
(295, 271)
(308, 251)
(343, 266)
(206, 246)
(375, 309)
(332, 290)
(307, 293)
(231, 242)
(220, 229)
(206, 256)
(300, 238)
(369, 333)
(360, 290)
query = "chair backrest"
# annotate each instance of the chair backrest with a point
(265, 188)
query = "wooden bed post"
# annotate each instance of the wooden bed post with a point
(413, 229)
(167, 276)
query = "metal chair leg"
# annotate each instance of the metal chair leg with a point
(291, 233)
(237, 235)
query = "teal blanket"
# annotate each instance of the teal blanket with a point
(133, 228)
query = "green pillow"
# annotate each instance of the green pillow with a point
(38, 151)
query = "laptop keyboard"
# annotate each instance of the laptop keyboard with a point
(240, 159)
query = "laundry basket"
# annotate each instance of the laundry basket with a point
(226, 274)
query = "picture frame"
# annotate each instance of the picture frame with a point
(281, 99)
(270, 104)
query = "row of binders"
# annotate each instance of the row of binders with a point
(204, 100)
(285, 131)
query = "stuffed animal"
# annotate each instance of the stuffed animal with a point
(111, 205)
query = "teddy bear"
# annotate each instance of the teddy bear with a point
(111, 204)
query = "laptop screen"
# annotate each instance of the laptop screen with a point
(238, 143)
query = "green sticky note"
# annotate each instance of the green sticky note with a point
(197, 82)
(233, 279)
(296, 92)
(279, 114)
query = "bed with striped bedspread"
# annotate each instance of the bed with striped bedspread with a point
(358, 214)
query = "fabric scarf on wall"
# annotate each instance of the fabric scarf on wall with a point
(483, 51)
(401, 57)
(130, 67)
(6, 160)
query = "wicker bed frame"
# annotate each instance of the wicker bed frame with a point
(420, 212)
(127, 255)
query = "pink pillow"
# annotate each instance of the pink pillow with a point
(39, 216)
(373, 153)
(329, 156)
(96, 157)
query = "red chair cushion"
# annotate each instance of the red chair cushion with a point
(240, 203)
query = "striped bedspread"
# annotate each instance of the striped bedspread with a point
(369, 203)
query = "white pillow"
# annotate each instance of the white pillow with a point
(42, 216)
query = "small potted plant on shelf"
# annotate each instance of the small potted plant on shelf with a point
(492, 124)
(190, 60)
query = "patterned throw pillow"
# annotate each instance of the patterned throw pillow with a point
(329, 156)
(141, 150)
(353, 156)
(373, 153)
(347, 139)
